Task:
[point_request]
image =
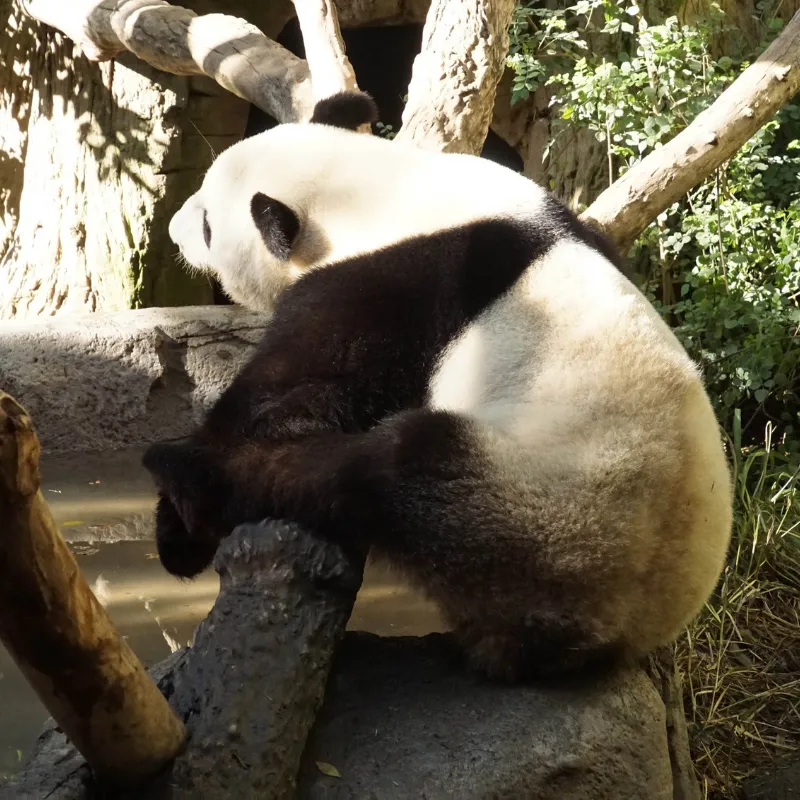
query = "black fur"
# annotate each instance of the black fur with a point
(326, 426)
(570, 224)
(347, 347)
(350, 344)
(348, 110)
(206, 229)
(276, 222)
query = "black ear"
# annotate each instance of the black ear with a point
(348, 110)
(277, 224)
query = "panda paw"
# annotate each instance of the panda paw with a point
(190, 518)
(182, 554)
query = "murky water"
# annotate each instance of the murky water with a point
(103, 504)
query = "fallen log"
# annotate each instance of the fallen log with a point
(62, 638)
(249, 686)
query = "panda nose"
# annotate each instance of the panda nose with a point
(174, 227)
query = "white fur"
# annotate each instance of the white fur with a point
(578, 370)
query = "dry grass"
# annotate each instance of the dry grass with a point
(741, 660)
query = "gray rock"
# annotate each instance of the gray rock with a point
(402, 718)
(105, 381)
(781, 784)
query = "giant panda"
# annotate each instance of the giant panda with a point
(458, 376)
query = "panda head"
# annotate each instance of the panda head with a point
(255, 222)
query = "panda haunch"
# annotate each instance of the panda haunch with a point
(457, 375)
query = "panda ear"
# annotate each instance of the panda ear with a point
(348, 110)
(277, 224)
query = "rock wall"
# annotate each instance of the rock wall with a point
(107, 381)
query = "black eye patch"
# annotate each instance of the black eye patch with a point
(206, 230)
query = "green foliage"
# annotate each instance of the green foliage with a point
(386, 131)
(723, 264)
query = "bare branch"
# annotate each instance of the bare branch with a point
(455, 76)
(324, 46)
(627, 207)
(230, 50)
(62, 638)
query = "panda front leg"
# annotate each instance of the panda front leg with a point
(436, 494)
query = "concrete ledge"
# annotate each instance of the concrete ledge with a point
(105, 381)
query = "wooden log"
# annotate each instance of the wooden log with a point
(250, 685)
(330, 68)
(62, 638)
(255, 676)
(236, 54)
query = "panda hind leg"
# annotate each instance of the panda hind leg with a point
(449, 520)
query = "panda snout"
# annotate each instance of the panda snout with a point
(174, 229)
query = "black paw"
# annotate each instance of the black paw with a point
(193, 497)
(182, 553)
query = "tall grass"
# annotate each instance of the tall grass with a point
(741, 659)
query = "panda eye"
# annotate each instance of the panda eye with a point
(206, 230)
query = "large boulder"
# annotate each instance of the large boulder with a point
(105, 381)
(402, 718)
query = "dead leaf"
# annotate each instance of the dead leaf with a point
(328, 769)
(72, 523)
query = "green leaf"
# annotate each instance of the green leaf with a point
(328, 769)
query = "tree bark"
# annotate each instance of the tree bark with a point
(61, 637)
(324, 48)
(625, 209)
(261, 660)
(250, 685)
(455, 76)
(174, 39)
(97, 158)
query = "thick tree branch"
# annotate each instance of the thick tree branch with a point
(227, 49)
(324, 48)
(455, 76)
(627, 207)
(249, 686)
(62, 638)
(233, 52)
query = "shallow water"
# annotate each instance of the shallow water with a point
(103, 505)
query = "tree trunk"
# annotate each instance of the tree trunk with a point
(455, 75)
(62, 638)
(94, 160)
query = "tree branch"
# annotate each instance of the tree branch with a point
(324, 48)
(62, 638)
(230, 50)
(627, 207)
(455, 75)
(227, 49)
